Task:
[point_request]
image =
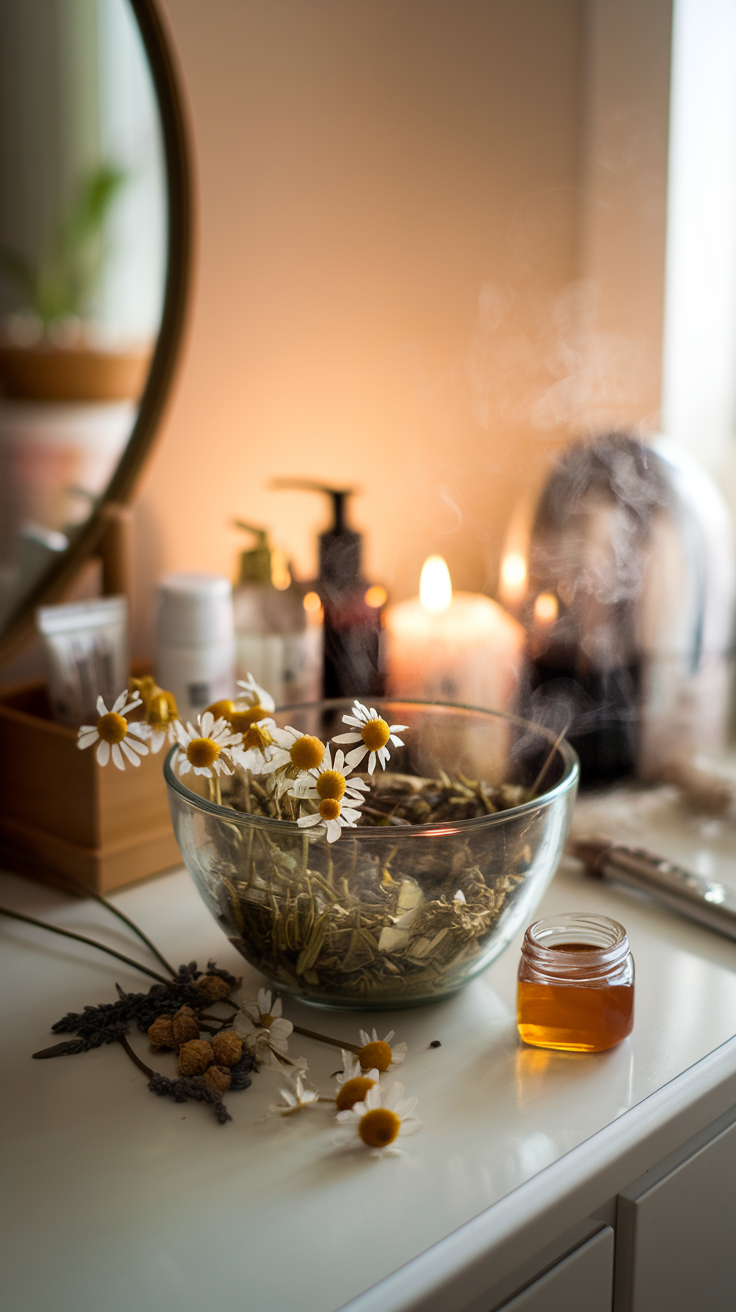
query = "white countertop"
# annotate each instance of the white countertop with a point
(115, 1199)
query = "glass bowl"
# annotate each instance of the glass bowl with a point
(393, 915)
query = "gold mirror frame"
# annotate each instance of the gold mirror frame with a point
(21, 624)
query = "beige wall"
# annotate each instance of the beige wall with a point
(397, 202)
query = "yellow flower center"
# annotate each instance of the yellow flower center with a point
(221, 710)
(353, 1091)
(307, 752)
(202, 752)
(330, 808)
(375, 1055)
(161, 710)
(331, 784)
(266, 1020)
(242, 718)
(112, 727)
(379, 1127)
(375, 734)
(255, 737)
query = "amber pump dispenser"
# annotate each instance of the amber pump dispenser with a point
(352, 626)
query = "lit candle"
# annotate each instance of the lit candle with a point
(447, 647)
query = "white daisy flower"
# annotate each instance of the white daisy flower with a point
(301, 1094)
(160, 711)
(207, 747)
(113, 733)
(255, 750)
(254, 696)
(380, 1052)
(381, 1119)
(353, 1082)
(292, 753)
(328, 780)
(262, 1026)
(334, 816)
(373, 734)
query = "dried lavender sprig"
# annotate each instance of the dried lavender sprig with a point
(95, 1026)
(81, 938)
(189, 1087)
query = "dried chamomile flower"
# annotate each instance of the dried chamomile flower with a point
(159, 710)
(207, 748)
(381, 1119)
(214, 987)
(217, 1078)
(195, 1056)
(185, 1026)
(299, 1095)
(227, 1047)
(380, 1053)
(114, 734)
(262, 1027)
(161, 1032)
(373, 734)
(353, 1084)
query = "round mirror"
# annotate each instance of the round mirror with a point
(94, 244)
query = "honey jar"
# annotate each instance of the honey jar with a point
(576, 983)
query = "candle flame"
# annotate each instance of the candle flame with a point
(513, 577)
(435, 585)
(312, 602)
(546, 608)
(376, 596)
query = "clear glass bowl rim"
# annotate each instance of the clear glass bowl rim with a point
(380, 833)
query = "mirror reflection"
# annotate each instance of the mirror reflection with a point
(82, 267)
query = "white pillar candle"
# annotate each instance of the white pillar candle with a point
(460, 648)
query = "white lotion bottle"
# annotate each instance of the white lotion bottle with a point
(195, 649)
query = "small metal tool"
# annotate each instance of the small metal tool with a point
(695, 896)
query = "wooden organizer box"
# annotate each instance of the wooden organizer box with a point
(64, 813)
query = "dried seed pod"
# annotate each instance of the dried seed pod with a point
(217, 1078)
(195, 1056)
(185, 1026)
(161, 1033)
(227, 1047)
(213, 987)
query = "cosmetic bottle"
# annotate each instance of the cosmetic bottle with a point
(276, 639)
(195, 642)
(353, 664)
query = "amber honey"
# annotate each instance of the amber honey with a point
(576, 984)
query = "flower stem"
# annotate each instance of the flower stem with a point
(90, 892)
(91, 942)
(324, 1038)
(135, 1058)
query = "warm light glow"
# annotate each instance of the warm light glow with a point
(280, 575)
(312, 602)
(546, 608)
(513, 577)
(376, 596)
(435, 585)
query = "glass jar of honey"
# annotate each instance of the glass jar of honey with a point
(576, 983)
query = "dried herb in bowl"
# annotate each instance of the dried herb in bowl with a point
(431, 875)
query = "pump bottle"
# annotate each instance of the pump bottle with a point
(353, 664)
(273, 640)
